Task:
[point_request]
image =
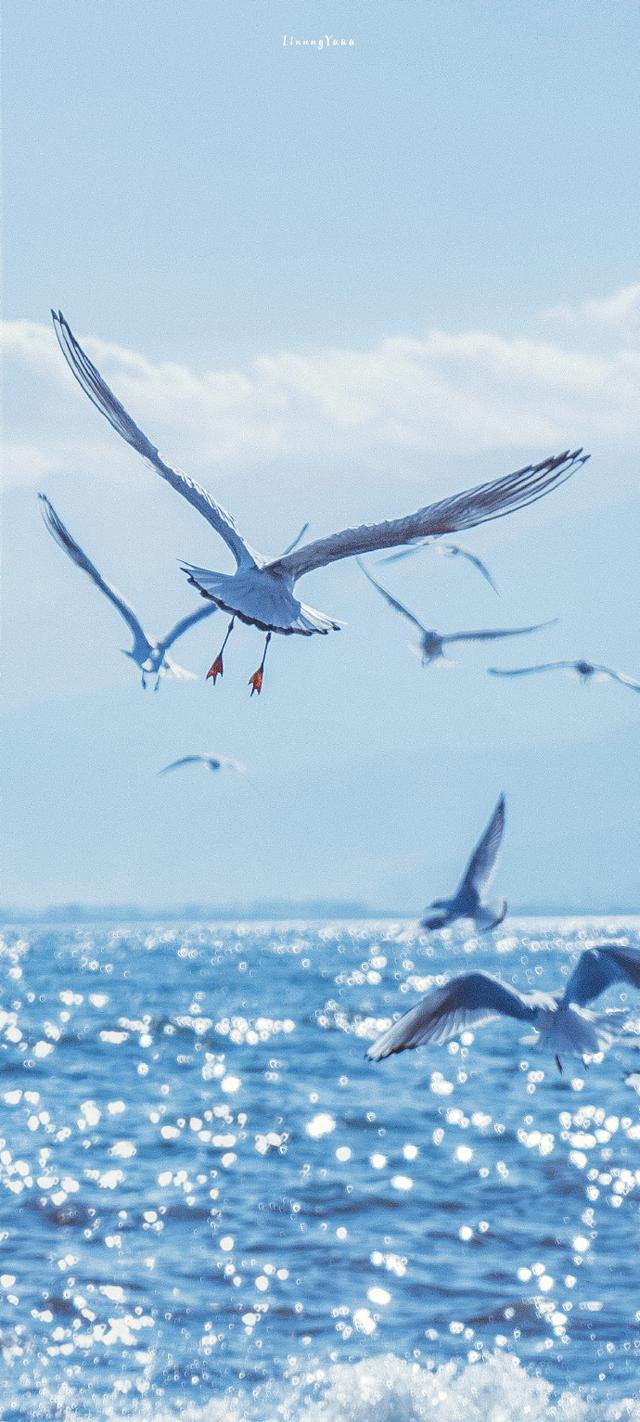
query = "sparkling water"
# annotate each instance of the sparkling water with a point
(213, 1206)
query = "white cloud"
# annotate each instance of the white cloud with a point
(620, 310)
(461, 392)
(25, 463)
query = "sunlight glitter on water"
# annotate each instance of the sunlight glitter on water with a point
(203, 1178)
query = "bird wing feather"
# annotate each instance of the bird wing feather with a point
(489, 634)
(619, 676)
(73, 550)
(481, 504)
(96, 388)
(469, 1000)
(445, 548)
(185, 623)
(481, 867)
(392, 601)
(524, 671)
(184, 760)
(476, 561)
(598, 967)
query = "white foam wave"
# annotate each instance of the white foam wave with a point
(386, 1389)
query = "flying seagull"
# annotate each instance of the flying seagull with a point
(468, 900)
(149, 653)
(584, 670)
(214, 762)
(562, 1020)
(446, 550)
(261, 591)
(432, 644)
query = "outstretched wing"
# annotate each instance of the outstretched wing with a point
(231, 764)
(467, 1001)
(473, 506)
(481, 867)
(407, 552)
(184, 760)
(619, 676)
(91, 381)
(73, 550)
(598, 967)
(295, 541)
(490, 634)
(185, 623)
(392, 601)
(524, 671)
(454, 550)
(447, 549)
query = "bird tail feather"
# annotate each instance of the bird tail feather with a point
(490, 915)
(575, 1031)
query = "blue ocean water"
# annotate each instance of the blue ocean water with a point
(212, 1206)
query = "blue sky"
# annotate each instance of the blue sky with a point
(332, 285)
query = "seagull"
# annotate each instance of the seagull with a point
(432, 644)
(468, 900)
(214, 762)
(261, 590)
(446, 550)
(149, 653)
(584, 670)
(562, 1020)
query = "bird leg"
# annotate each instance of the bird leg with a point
(558, 1064)
(255, 681)
(216, 669)
(144, 682)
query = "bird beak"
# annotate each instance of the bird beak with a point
(216, 669)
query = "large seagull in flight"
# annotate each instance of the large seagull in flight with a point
(563, 1021)
(261, 591)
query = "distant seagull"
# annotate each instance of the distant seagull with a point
(584, 670)
(562, 1020)
(261, 591)
(214, 762)
(432, 644)
(149, 653)
(446, 550)
(468, 900)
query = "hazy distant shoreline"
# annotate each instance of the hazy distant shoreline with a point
(272, 911)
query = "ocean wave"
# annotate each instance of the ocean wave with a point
(378, 1389)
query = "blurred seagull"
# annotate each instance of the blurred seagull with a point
(431, 646)
(584, 670)
(261, 591)
(214, 762)
(562, 1020)
(468, 900)
(446, 550)
(149, 653)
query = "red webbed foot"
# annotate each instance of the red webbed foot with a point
(255, 681)
(216, 669)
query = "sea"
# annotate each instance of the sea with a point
(213, 1207)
